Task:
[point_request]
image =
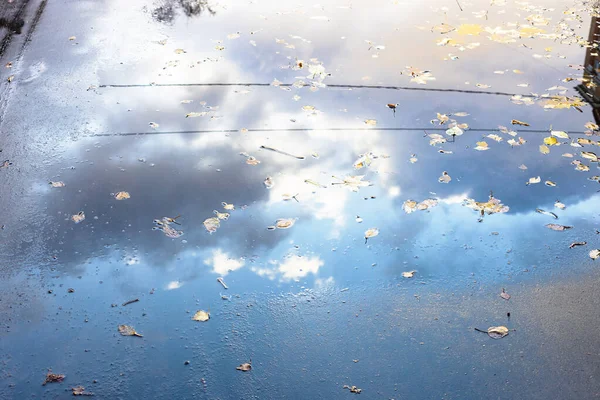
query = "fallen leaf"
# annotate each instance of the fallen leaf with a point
(492, 206)
(551, 214)
(269, 182)
(80, 391)
(153, 125)
(550, 141)
(523, 167)
(481, 146)
(517, 122)
(556, 227)
(594, 254)
(57, 184)
(371, 122)
(533, 180)
(201, 316)
(575, 244)
(228, 206)
(77, 218)
(127, 330)
(72, 38)
(544, 149)
(212, 224)
(245, 366)
(454, 131)
(51, 377)
(497, 332)
(10, 78)
(370, 233)
(550, 183)
(560, 134)
(469, 29)
(122, 196)
(559, 205)
(285, 223)
(505, 295)
(590, 156)
(408, 274)
(445, 178)
(353, 389)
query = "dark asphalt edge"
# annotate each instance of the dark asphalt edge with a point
(7, 87)
(7, 39)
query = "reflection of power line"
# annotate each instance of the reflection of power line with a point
(416, 130)
(340, 86)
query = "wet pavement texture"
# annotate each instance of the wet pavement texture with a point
(190, 106)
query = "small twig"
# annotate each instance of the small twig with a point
(480, 330)
(222, 282)
(459, 5)
(282, 152)
(130, 301)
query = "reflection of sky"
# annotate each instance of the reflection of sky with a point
(191, 174)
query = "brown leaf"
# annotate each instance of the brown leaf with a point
(353, 389)
(505, 295)
(50, 377)
(517, 122)
(556, 227)
(245, 366)
(127, 330)
(80, 391)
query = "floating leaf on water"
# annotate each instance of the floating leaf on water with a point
(589, 155)
(353, 182)
(560, 134)
(523, 167)
(426, 204)
(550, 183)
(288, 197)
(550, 141)
(556, 227)
(559, 205)
(504, 295)
(364, 160)
(519, 142)
(252, 161)
(408, 274)
(445, 178)
(370, 233)
(481, 146)
(567, 155)
(180, 51)
(51, 377)
(579, 166)
(533, 180)
(309, 108)
(544, 149)
(550, 214)
(80, 391)
(495, 137)
(196, 114)
(594, 254)
(57, 184)
(469, 29)
(359, 219)
(245, 366)
(153, 125)
(454, 131)
(284, 223)
(497, 332)
(201, 316)
(576, 244)
(269, 183)
(122, 196)
(127, 330)
(409, 206)
(517, 122)
(371, 122)
(77, 218)
(228, 206)
(220, 215)
(436, 138)
(212, 224)
(413, 159)
(232, 36)
(461, 114)
(492, 206)
(353, 389)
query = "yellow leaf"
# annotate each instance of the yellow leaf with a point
(560, 134)
(482, 146)
(371, 122)
(469, 29)
(201, 316)
(544, 149)
(550, 140)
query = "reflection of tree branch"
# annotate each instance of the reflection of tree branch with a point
(167, 10)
